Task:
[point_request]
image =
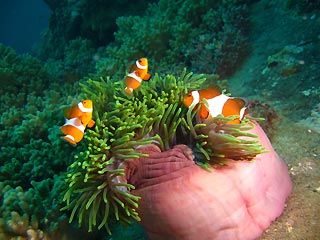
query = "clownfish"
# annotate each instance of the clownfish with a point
(137, 73)
(218, 103)
(77, 119)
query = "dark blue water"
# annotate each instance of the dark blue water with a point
(21, 23)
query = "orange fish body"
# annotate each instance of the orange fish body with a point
(138, 72)
(218, 103)
(77, 119)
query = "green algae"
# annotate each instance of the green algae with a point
(155, 114)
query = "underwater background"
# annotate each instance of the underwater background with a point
(265, 51)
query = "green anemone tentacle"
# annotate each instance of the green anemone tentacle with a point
(155, 114)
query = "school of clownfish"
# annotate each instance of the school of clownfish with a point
(80, 116)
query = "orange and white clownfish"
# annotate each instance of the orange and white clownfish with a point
(137, 73)
(77, 119)
(218, 103)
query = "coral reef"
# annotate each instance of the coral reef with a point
(94, 22)
(30, 100)
(31, 214)
(31, 149)
(204, 36)
(79, 59)
(16, 71)
(199, 35)
(32, 155)
(303, 6)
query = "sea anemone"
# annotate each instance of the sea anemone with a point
(97, 181)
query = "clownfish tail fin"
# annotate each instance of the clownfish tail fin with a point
(241, 102)
(91, 123)
(128, 91)
(243, 106)
(69, 139)
(147, 77)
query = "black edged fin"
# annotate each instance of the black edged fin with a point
(147, 77)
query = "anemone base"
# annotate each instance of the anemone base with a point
(180, 200)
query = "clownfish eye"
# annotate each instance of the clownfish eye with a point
(84, 102)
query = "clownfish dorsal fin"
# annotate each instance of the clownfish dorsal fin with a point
(241, 102)
(215, 88)
(71, 112)
(132, 67)
(210, 92)
(67, 112)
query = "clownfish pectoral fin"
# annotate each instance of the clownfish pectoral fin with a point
(91, 123)
(128, 91)
(84, 119)
(132, 68)
(146, 77)
(69, 139)
(203, 112)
